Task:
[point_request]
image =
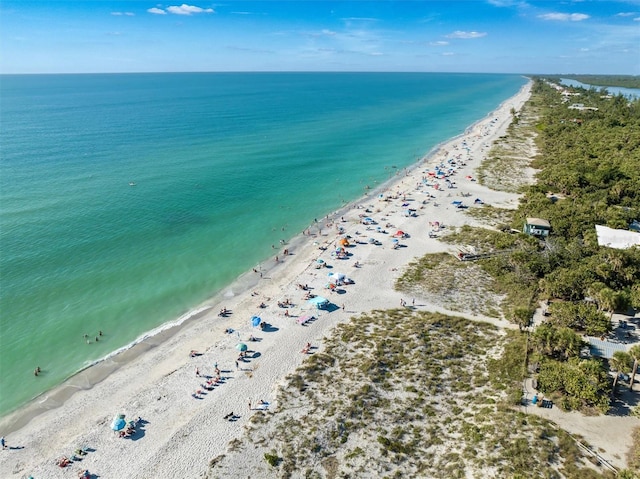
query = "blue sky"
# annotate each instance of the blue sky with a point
(514, 36)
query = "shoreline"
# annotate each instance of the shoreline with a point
(99, 369)
(160, 355)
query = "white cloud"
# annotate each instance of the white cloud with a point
(461, 34)
(625, 14)
(185, 9)
(118, 14)
(448, 54)
(564, 17)
(440, 43)
(360, 19)
(156, 11)
(320, 34)
(637, 19)
(508, 3)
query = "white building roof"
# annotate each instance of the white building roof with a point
(618, 239)
(538, 222)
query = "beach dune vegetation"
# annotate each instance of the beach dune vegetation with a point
(411, 394)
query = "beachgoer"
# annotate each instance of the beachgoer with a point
(237, 365)
(97, 339)
(3, 442)
(99, 333)
(197, 372)
(36, 371)
(249, 404)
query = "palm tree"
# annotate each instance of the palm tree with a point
(619, 363)
(607, 300)
(634, 352)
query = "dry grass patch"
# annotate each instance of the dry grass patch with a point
(511, 154)
(452, 284)
(491, 216)
(399, 394)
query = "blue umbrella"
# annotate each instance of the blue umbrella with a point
(319, 302)
(118, 423)
(241, 347)
(255, 321)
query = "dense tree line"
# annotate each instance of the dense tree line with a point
(589, 174)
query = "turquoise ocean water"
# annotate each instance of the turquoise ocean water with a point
(221, 164)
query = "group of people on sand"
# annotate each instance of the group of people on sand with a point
(285, 304)
(129, 431)
(65, 461)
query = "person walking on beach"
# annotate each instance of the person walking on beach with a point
(237, 365)
(249, 404)
(3, 442)
(197, 372)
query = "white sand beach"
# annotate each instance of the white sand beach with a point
(179, 433)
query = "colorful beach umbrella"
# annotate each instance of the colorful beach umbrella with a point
(241, 347)
(118, 423)
(255, 321)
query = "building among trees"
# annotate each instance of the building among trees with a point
(537, 227)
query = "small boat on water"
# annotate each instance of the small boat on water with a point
(132, 183)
